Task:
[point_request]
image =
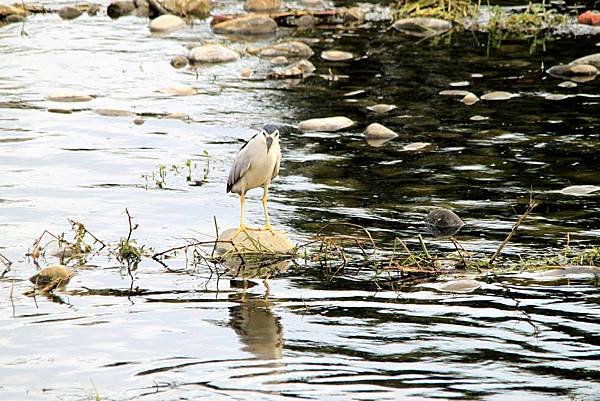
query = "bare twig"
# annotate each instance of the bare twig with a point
(530, 206)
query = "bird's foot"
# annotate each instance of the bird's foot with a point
(270, 228)
(241, 229)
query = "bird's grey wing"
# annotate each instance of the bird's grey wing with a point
(276, 169)
(241, 164)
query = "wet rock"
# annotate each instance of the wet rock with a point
(69, 12)
(460, 286)
(179, 61)
(14, 18)
(69, 97)
(377, 143)
(459, 84)
(479, 118)
(118, 9)
(454, 92)
(291, 48)
(336, 55)
(259, 241)
(60, 110)
(314, 4)
(592, 59)
(280, 60)
(58, 275)
(353, 15)
(327, 124)
(577, 190)
(247, 25)
(470, 99)
(381, 108)
(567, 84)
(413, 147)
(138, 121)
(177, 116)
(574, 70)
(261, 5)
(179, 91)
(306, 22)
(210, 53)
(93, 10)
(355, 93)
(299, 69)
(112, 112)
(556, 96)
(422, 26)
(498, 95)
(443, 222)
(188, 8)
(378, 131)
(247, 72)
(166, 23)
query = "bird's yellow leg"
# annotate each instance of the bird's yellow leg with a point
(242, 227)
(265, 199)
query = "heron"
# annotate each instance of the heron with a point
(255, 165)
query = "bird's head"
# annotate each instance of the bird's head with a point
(271, 134)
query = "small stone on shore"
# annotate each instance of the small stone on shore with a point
(211, 54)
(166, 23)
(69, 12)
(179, 61)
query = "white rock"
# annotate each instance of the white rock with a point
(166, 23)
(381, 108)
(327, 124)
(498, 95)
(378, 131)
(460, 286)
(579, 189)
(212, 54)
(459, 84)
(179, 91)
(336, 55)
(415, 146)
(470, 99)
(454, 92)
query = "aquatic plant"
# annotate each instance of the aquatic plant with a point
(451, 10)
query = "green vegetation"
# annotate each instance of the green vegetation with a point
(450, 10)
(189, 169)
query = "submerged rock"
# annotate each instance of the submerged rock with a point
(498, 95)
(460, 286)
(327, 124)
(69, 12)
(280, 60)
(118, 9)
(378, 131)
(177, 116)
(212, 54)
(290, 48)
(443, 222)
(69, 97)
(422, 26)
(336, 55)
(247, 25)
(299, 69)
(179, 61)
(261, 5)
(179, 91)
(454, 92)
(112, 112)
(381, 108)
(412, 147)
(567, 84)
(166, 23)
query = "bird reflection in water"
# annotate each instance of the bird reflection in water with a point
(258, 328)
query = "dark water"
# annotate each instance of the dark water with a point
(178, 333)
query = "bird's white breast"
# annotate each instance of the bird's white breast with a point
(262, 165)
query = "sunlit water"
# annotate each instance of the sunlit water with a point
(177, 333)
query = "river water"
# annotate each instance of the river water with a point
(177, 333)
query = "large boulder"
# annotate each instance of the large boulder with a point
(247, 25)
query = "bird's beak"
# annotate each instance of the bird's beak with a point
(269, 143)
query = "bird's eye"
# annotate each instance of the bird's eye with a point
(276, 133)
(264, 133)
